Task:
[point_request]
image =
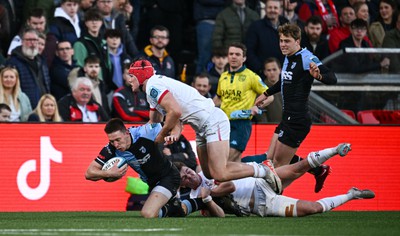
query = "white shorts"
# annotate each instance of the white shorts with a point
(215, 128)
(268, 203)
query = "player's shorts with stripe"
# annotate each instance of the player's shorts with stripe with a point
(215, 128)
(169, 184)
(268, 203)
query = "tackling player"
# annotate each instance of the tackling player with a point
(179, 102)
(255, 196)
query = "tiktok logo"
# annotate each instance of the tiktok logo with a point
(47, 153)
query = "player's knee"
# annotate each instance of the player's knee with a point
(219, 176)
(148, 214)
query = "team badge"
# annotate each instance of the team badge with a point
(142, 149)
(153, 93)
(242, 78)
(293, 65)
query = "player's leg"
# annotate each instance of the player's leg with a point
(289, 173)
(282, 154)
(329, 203)
(153, 204)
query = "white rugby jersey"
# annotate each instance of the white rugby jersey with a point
(189, 99)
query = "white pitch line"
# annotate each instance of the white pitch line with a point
(100, 231)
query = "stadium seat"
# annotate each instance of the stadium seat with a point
(349, 113)
(387, 117)
(367, 117)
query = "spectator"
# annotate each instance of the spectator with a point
(91, 70)
(46, 110)
(392, 40)
(36, 20)
(237, 90)
(288, 11)
(361, 11)
(313, 39)
(91, 43)
(386, 21)
(5, 112)
(205, 13)
(323, 8)
(232, 23)
(65, 25)
(79, 105)
(272, 71)
(219, 62)
(262, 39)
(201, 83)
(60, 69)
(11, 94)
(112, 19)
(41, 43)
(32, 68)
(360, 63)
(84, 5)
(128, 105)
(347, 15)
(157, 53)
(10, 20)
(117, 54)
(5, 30)
(48, 7)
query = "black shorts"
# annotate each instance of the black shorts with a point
(171, 181)
(293, 130)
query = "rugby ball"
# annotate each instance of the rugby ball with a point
(110, 163)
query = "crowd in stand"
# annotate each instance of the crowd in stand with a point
(73, 55)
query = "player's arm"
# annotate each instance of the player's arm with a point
(155, 116)
(95, 173)
(212, 207)
(323, 74)
(276, 88)
(174, 112)
(217, 101)
(223, 189)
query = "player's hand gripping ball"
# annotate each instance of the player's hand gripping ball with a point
(110, 163)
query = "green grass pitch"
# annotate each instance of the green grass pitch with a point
(130, 223)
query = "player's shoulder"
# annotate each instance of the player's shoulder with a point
(309, 57)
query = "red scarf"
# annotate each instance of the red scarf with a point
(324, 13)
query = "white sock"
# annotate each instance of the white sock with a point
(259, 171)
(315, 159)
(331, 202)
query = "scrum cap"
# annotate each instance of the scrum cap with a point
(142, 70)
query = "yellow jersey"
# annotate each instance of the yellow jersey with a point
(238, 90)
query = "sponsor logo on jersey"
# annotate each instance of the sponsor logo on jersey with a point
(144, 159)
(154, 93)
(142, 149)
(293, 65)
(287, 75)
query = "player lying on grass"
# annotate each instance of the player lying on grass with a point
(137, 146)
(255, 196)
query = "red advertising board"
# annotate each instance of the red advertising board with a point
(44, 165)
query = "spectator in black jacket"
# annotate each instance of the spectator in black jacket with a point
(313, 39)
(60, 69)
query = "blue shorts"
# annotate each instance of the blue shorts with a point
(240, 134)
